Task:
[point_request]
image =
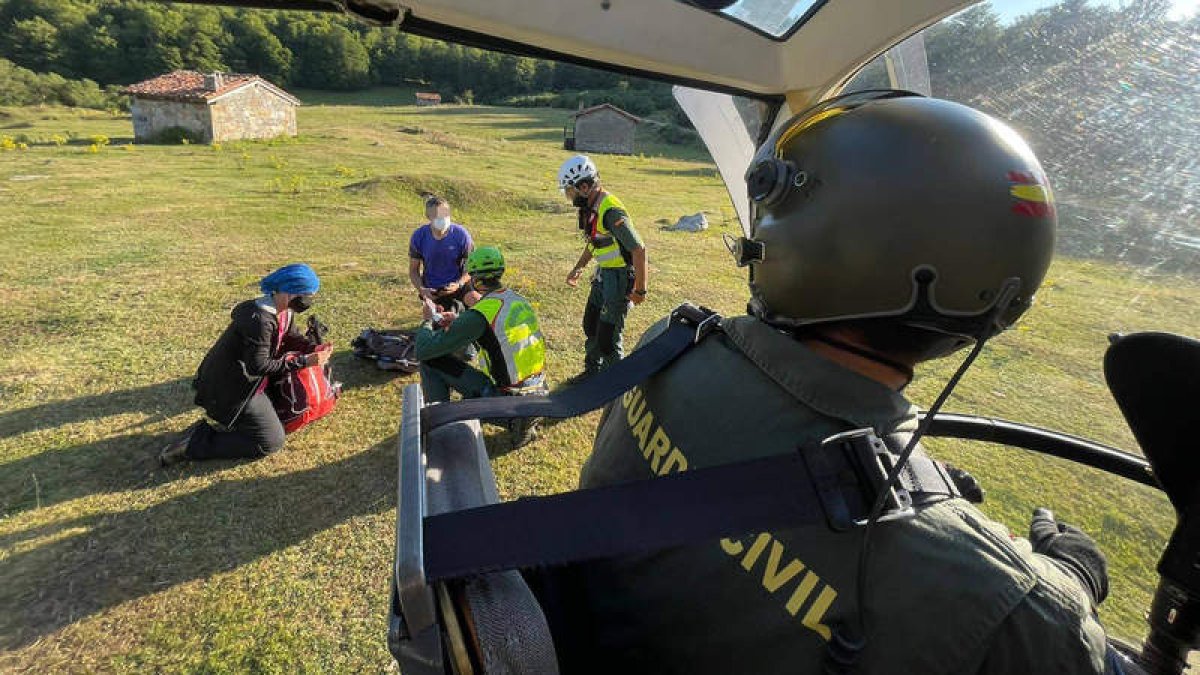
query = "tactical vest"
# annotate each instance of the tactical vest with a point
(605, 249)
(513, 349)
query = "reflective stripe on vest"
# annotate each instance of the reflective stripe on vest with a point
(605, 248)
(518, 339)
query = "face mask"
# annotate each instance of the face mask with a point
(441, 224)
(301, 303)
(580, 201)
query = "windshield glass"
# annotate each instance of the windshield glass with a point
(1106, 94)
(776, 18)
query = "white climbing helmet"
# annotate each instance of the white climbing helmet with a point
(574, 170)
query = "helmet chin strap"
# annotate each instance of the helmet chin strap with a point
(846, 645)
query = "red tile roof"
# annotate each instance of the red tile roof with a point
(422, 96)
(189, 85)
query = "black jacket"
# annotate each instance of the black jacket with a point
(235, 366)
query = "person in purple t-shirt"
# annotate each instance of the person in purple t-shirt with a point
(437, 256)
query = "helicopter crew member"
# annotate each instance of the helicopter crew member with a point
(620, 256)
(503, 324)
(861, 267)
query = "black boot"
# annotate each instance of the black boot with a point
(176, 451)
(523, 431)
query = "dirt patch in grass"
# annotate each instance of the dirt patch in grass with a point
(441, 138)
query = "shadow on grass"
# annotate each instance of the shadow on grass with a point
(123, 556)
(533, 128)
(517, 121)
(499, 440)
(473, 110)
(51, 477)
(163, 400)
(123, 462)
(553, 137)
(530, 116)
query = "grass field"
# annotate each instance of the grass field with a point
(117, 270)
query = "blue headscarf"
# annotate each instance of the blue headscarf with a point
(297, 279)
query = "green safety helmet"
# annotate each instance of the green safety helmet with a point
(486, 262)
(888, 204)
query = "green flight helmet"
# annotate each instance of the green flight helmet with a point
(485, 263)
(888, 204)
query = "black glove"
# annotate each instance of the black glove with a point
(968, 487)
(1070, 546)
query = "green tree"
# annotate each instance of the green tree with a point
(198, 40)
(392, 59)
(94, 50)
(543, 75)
(253, 48)
(331, 57)
(34, 43)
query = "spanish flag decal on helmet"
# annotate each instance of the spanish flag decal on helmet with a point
(1032, 196)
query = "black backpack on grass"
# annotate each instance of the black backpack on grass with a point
(390, 350)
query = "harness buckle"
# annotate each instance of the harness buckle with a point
(704, 319)
(866, 457)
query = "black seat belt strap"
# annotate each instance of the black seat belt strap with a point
(783, 491)
(618, 520)
(689, 325)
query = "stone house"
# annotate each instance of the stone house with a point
(601, 128)
(212, 107)
(424, 98)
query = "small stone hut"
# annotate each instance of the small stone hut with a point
(212, 107)
(601, 128)
(426, 98)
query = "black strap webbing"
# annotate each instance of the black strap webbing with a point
(623, 519)
(689, 324)
(642, 516)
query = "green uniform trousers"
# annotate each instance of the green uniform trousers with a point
(604, 318)
(445, 373)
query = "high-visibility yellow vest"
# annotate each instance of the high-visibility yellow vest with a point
(606, 251)
(513, 349)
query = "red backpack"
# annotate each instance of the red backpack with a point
(307, 394)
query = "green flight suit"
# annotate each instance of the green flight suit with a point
(442, 369)
(950, 591)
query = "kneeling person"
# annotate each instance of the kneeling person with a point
(502, 322)
(262, 341)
